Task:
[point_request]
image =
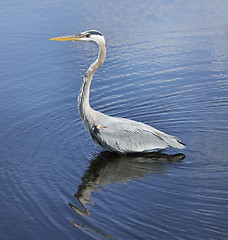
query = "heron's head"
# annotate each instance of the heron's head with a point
(87, 36)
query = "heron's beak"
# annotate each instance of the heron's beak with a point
(73, 37)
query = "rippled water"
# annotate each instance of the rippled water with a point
(167, 66)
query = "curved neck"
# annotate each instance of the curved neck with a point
(84, 108)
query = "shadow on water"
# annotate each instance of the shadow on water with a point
(107, 168)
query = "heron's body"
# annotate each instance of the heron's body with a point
(115, 134)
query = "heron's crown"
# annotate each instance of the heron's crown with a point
(92, 32)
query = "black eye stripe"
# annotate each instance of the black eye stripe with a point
(95, 33)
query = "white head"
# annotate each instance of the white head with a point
(87, 36)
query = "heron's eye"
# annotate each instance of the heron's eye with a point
(88, 35)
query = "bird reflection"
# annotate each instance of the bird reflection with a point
(109, 167)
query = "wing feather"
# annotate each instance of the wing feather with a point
(125, 135)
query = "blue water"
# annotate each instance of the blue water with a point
(167, 66)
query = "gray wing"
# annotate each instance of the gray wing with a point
(124, 135)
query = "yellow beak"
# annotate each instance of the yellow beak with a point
(74, 37)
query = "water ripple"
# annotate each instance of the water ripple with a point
(55, 182)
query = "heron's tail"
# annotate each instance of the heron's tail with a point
(175, 142)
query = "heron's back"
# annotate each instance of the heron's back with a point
(128, 136)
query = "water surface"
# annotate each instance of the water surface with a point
(167, 66)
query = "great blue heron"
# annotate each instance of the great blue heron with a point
(112, 133)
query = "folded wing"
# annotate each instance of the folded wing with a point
(126, 136)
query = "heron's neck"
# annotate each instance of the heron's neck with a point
(85, 111)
